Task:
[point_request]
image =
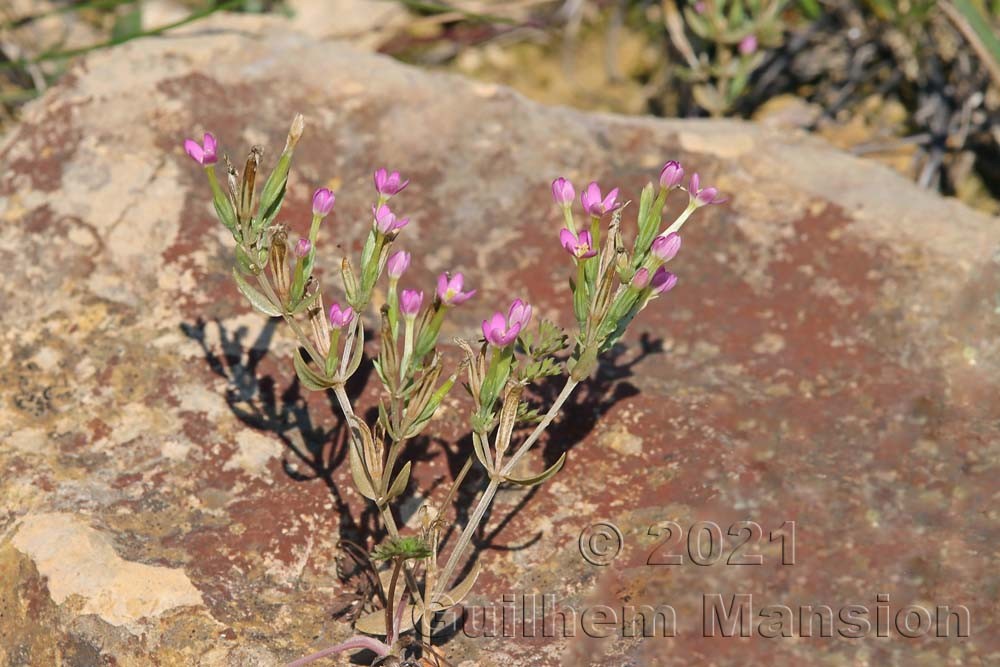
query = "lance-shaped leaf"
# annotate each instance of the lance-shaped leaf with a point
(370, 451)
(581, 299)
(256, 299)
(496, 377)
(358, 348)
(306, 303)
(374, 623)
(223, 206)
(358, 472)
(303, 270)
(385, 421)
(310, 379)
(538, 479)
(650, 216)
(399, 484)
(274, 189)
(479, 446)
(432, 406)
(246, 262)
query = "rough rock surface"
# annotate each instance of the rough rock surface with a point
(831, 357)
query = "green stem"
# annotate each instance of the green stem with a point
(384, 511)
(407, 347)
(676, 225)
(71, 53)
(390, 599)
(304, 340)
(487, 498)
(563, 396)
(570, 220)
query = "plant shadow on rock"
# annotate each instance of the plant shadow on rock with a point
(259, 401)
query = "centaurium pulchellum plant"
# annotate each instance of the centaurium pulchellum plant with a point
(612, 283)
(731, 39)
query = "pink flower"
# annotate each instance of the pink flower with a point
(301, 248)
(410, 302)
(580, 246)
(671, 175)
(386, 221)
(387, 184)
(640, 279)
(449, 290)
(594, 204)
(665, 248)
(204, 154)
(519, 313)
(563, 192)
(340, 318)
(748, 45)
(704, 197)
(323, 201)
(663, 281)
(501, 331)
(397, 264)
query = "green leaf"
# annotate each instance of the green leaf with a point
(538, 479)
(496, 378)
(399, 485)
(128, 24)
(479, 447)
(649, 224)
(359, 348)
(456, 594)
(274, 192)
(306, 303)
(310, 379)
(361, 479)
(256, 299)
(978, 28)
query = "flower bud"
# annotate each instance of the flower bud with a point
(398, 264)
(301, 248)
(748, 45)
(671, 175)
(640, 279)
(665, 248)
(410, 302)
(663, 281)
(340, 318)
(563, 192)
(295, 132)
(323, 201)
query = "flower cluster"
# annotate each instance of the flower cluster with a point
(278, 278)
(613, 285)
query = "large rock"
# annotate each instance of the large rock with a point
(831, 357)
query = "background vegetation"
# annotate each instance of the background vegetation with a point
(912, 83)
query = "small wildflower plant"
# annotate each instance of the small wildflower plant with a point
(611, 284)
(731, 38)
